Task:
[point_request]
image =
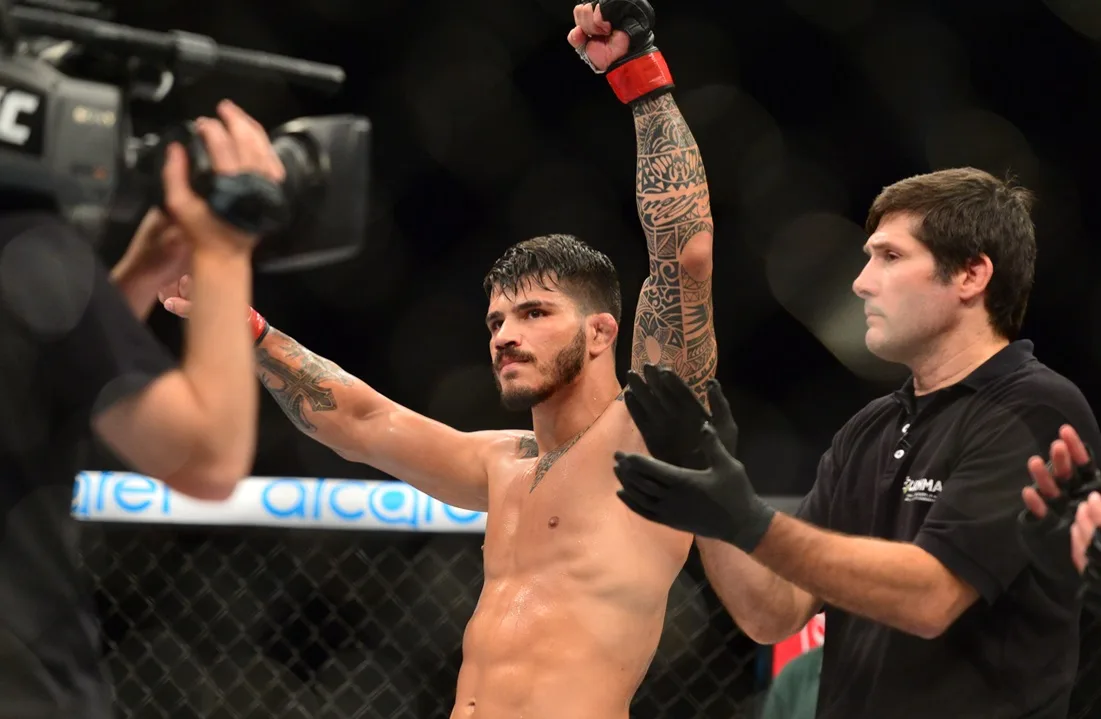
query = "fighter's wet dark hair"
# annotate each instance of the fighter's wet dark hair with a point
(560, 262)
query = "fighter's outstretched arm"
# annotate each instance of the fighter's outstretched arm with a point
(362, 425)
(673, 322)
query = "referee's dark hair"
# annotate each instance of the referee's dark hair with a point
(966, 213)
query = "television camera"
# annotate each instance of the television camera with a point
(68, 78)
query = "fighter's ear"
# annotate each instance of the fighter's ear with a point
(602, 330)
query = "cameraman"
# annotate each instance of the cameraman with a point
(75, 360)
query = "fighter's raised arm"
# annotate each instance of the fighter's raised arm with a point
(362, 425)
(673, 322)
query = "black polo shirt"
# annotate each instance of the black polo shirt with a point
(69, 346)
(945, 472)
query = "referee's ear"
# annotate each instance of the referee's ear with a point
(975, 278)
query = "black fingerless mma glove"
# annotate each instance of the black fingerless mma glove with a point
(642, 72)
(1047, 540)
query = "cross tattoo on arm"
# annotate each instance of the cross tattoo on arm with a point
(295, 379)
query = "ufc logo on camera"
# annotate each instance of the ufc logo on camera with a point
(20, 120)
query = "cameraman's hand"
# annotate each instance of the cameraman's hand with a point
(157, 254)
(176, 296)
(236, 144)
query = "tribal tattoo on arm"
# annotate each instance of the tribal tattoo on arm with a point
(300, 381)
(673, 322)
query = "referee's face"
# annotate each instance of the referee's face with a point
(907, 307)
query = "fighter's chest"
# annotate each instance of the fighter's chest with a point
(567, 481)
(552, 503)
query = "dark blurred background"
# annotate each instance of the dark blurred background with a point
(488, 130)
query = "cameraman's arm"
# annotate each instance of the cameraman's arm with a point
(195, 427)
(139, 292)
(106, 367)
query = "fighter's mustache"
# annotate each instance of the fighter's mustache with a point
(511, 356)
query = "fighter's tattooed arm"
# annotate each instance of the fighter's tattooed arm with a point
(362, 425)
(673, 323)
(300, 381)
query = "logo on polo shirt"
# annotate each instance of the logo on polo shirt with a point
(921, 490)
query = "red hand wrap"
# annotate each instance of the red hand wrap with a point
(640, 77)
(257, 324)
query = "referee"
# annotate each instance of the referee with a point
(909, 536)
(75, 360)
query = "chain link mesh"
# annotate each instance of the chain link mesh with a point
(242, 623)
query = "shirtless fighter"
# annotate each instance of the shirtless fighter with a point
(576, 584)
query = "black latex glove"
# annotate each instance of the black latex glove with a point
(716, 502)
(669, 417)
(1047, 539)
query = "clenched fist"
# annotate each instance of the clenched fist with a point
(616, 39)
(594, 39)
